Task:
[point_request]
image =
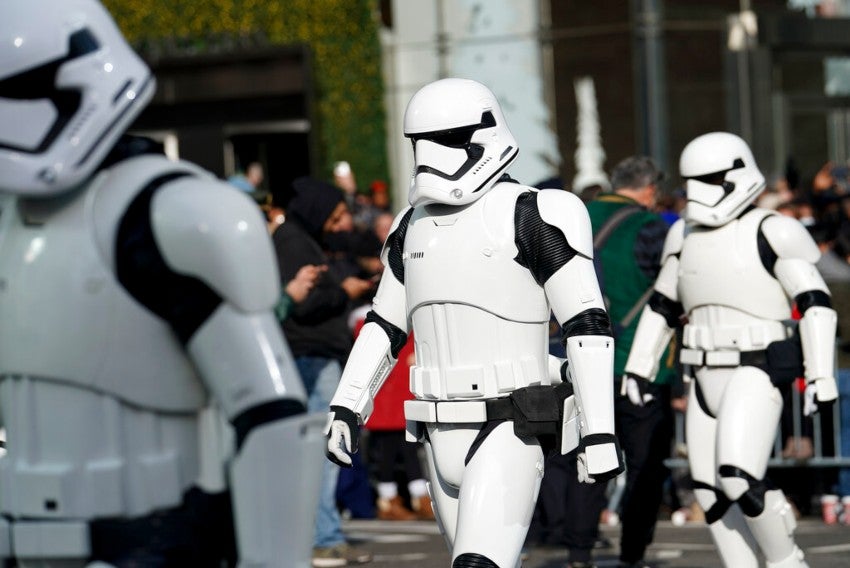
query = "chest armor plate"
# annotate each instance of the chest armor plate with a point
(64, 316)
(465, 255)
(722, 267)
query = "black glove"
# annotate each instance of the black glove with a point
(343, 436)
(637, 389)
(599, 458)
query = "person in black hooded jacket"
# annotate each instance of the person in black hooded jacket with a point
(317, 328)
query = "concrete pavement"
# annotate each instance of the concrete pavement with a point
(418, 544)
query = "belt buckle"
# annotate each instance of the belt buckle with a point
(467, 411)
(723, 358)
(692, 356)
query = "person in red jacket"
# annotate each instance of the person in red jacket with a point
(387, 447)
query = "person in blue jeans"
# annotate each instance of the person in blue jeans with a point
(318, 333)
(320, 376)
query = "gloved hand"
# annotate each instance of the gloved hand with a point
(343, 433)
(819, 394)
(599, 458)
(636, 389)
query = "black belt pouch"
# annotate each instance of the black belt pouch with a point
(785, 360)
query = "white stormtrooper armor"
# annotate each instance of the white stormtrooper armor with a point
(731, 272)
(474, 266)
(136, 302)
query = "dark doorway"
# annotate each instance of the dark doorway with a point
(283, 155)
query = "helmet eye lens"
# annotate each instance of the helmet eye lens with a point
(460, 137)
(437, 156)
(718, 178)
(37, 83)
(455, 138)
(721, 190)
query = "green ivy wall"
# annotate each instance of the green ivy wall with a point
(343, 39)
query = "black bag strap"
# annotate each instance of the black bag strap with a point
(610, 225)
(636, 308)
(605, 231)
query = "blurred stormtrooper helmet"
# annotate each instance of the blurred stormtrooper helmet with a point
(69, 87)
(721, 178)
(461, 143)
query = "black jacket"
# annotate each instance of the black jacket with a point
(317, 326)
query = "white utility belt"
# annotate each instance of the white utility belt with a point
(419, 412)
(462, 411)
(699, 358)
(732, 338)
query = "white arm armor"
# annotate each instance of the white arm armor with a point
(574, 287)
(368, 366)
(653, 334)
(817, 332)
(651, 337)
(591, 360)
(371, 358)
(214, 233)
(795, 268)
(207, 230)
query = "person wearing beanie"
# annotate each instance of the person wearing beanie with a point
(318, 333)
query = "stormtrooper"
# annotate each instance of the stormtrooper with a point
(136, 314)
(474, 265)
(730, 272)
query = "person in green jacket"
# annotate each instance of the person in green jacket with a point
(628, 262)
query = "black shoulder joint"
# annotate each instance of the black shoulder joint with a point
(395, 246)
(185, 302)
(767, 255)
(543, 248)
(397, 337)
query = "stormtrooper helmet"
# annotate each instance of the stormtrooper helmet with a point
(69, 87)
(461, 143)
(721, 178)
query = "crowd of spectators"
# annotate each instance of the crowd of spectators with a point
(328, 238)
(351, 255)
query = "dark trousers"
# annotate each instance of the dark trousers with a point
(568, 511)
(387, 448)
(645, 435)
